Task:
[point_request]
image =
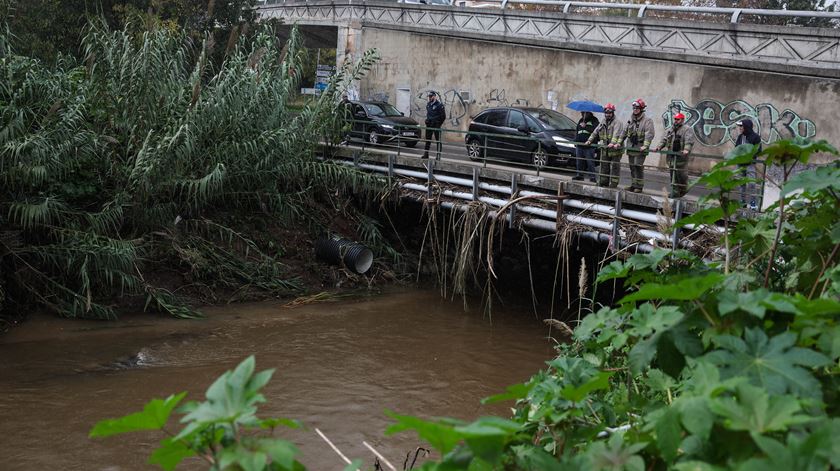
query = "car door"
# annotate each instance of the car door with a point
(360, 120)
(494, 127)
(517, 144)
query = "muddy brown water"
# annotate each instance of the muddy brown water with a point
(339, 366)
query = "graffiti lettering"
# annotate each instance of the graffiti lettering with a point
(496, 97)
(714, 122)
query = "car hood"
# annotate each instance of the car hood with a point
(405, 120)
(567, 134)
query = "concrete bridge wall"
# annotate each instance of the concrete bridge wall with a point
(473, 75)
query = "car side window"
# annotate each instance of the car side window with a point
(481, 119)
(497, 118)
(533, 126)
(516, 119)
(357, 109)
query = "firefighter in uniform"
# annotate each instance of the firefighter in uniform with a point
(608, 133)
(678, 141)
(639, 134)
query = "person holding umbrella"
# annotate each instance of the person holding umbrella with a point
(585, 155)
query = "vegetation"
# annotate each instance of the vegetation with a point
(147, 156)
(702, 365)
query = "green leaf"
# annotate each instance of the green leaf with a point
(532, 458)
(812, 181)
(708, 216)
(668, 434)
(488, 436)
(170, 453)
(513, 392)
(684, 290)
(441, 435)
(753, 410)
(612, 271)
(695, 415)
(276, 422)
(281, 452)
(642, 353)
(354, 465)
(749, 302)
(154, 416)
(577, 394)
(774, 364)
(788, 152)
(696, 466)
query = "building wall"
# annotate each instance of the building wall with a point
(473, 75)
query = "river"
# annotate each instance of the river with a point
(339, 366)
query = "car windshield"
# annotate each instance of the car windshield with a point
(381, 109)
(553, 119)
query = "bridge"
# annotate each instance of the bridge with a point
(705, 63)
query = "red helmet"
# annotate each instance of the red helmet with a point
(639, 103)
(679, 116)
(609, 107)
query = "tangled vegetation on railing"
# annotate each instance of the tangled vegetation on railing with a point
(147, 156)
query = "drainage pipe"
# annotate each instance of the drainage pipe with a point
(340, 251)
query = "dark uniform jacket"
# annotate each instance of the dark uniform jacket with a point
(585, 127)
(435, 114)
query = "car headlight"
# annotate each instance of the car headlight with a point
(562, 142)
(387, 126)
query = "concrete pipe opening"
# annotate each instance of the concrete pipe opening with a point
(340, 251)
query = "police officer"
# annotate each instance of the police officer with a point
(639, 134)
(678, 141)
(608, 133)
(435, 116)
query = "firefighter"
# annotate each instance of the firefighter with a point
(608, 133)
(677, 143)
(639, 134)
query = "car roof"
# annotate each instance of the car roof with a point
(370, 102)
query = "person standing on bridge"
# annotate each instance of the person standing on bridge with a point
(608, 133)
(639, 134)
(677, 143)
(585, 163)
(748, 136)
(435, 116)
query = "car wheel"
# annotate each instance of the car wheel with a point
(373, 137)
(474, 150)
(539, 158)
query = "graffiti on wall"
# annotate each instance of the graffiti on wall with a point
(456, 107)
(713, 122)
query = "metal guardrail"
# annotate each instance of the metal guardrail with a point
(453, 146)
(619, 227)
(734, 14)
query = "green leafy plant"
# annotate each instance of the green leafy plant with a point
(223, 430)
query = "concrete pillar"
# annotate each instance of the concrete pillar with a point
(349, 48)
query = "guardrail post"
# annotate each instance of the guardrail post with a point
(391, 166)
(475, 184)
(560, 197)
(616, 229)
(430, 179)
(675, 237)
(514, 189)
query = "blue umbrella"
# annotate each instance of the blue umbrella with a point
(586, 105)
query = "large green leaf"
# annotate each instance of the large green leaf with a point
(822, 178)
(170, 453)
(154, 416)
(440, 434)
(683, 290)
(796, 150)
(749, 302)
(668, 434)
(753, 410)
(774, 364)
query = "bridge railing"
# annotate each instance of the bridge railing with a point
(551, 157)
(735, 15)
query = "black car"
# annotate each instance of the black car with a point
(538, 136)
(378, 122)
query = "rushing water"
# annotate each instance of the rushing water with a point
(339, 366)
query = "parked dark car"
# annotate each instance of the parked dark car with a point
(378, 122)
(539, 136)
